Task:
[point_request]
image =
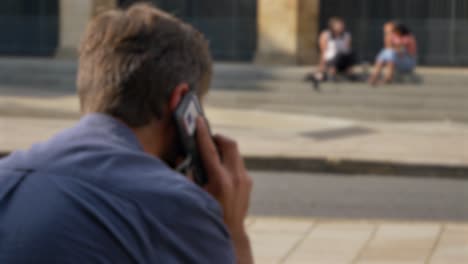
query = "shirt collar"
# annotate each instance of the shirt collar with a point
(112, 128)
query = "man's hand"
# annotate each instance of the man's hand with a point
(229, 183)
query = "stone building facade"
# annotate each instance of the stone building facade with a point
(264, 31)
(261, 31)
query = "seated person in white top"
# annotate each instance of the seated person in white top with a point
(336, 54)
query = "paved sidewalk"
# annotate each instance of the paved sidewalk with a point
(294, 241)
(271, 135)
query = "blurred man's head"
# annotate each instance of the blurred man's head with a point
(136, 65)
(336, 25)
(131, 61)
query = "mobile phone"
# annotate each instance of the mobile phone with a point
(186, 114)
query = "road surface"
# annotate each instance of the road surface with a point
(359, 197)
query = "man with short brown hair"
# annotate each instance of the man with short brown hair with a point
(105, 190)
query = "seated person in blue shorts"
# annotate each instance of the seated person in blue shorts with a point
(399, 54)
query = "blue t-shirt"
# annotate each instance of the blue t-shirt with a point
(91, 195)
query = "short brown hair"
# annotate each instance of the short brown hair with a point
(130, 60)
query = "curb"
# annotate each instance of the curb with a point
(350, 167)
(355, 167)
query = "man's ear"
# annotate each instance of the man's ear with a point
(177, 95)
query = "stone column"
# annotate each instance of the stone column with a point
(287, 31)
(308, 32)
(74, 16)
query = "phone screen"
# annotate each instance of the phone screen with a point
(186, 114)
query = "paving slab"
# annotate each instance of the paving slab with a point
(272, 239)
(401, 243)
(452, 246)
(341, 241)
(332, 242)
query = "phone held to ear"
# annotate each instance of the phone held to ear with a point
(186, 114)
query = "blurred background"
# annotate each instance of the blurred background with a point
(348, 173)
(44, 27)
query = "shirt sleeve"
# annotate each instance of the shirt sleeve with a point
(195, 230)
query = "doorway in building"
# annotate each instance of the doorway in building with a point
(230, 25)
(28, 28)
(439, 25)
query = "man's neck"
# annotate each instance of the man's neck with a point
(151, 138)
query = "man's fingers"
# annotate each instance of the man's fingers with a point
(207, 148)
(229, 151)
(232, 159)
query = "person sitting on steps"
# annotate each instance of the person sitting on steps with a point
(336, 55)
(399, 54)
